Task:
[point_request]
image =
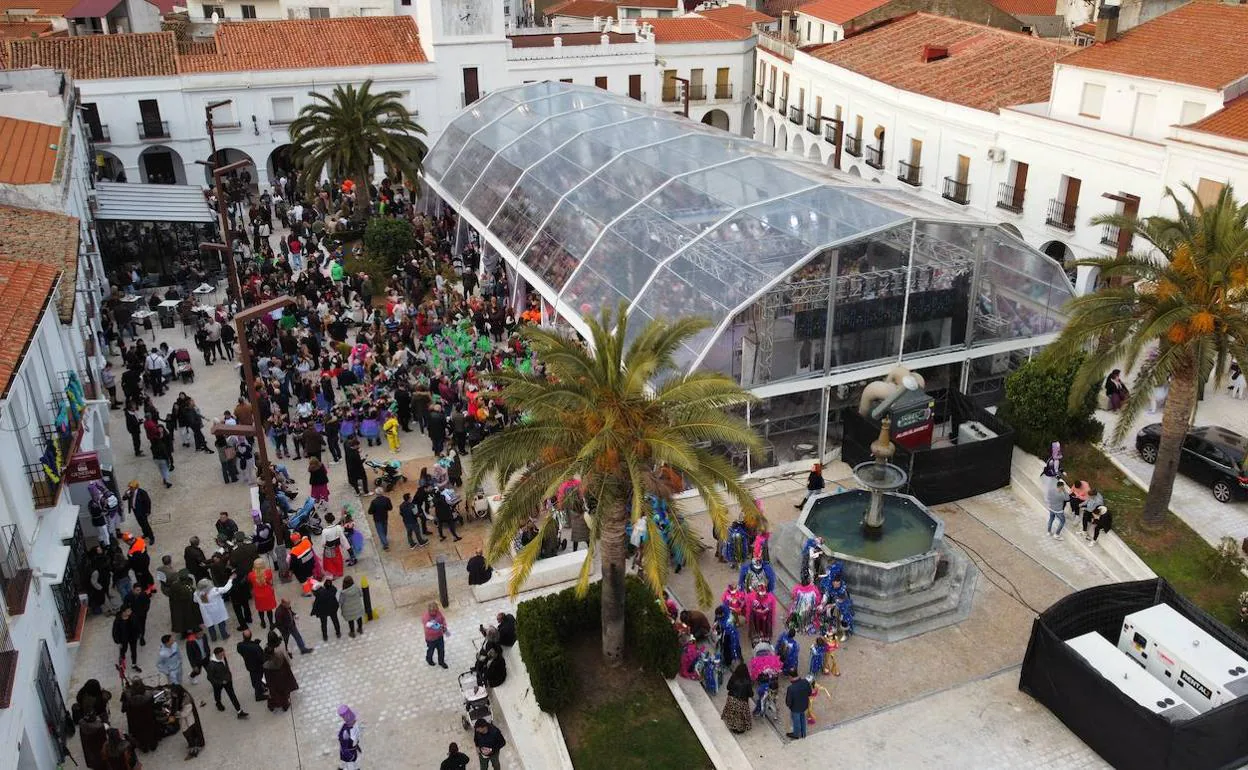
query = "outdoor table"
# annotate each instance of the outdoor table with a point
(144, 316)
(168, 313)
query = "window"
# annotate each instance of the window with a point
(1207, 191)
(472, 86)
(317, 12)
(1092, 101)
(283, 109)
(836, 35)
(723, 88)
(565, 80)
(222, 116)
(1145, 108)
(632, 13)
(1013, 192)
(249, 11)
(601, 82)
(405, 99)
(209, 10)
(1192, 112)
(669, 86)
(809, 29)
(405, 2)
(665, 14)
(634, 87)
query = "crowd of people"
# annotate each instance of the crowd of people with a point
(355, 361)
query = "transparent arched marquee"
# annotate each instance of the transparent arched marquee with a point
(595, 198)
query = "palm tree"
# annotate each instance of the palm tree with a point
(622, 421)
(1176, 312)
(343, 131)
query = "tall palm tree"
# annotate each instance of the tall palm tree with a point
(1173, 313)
(621, 420)
(343, 131)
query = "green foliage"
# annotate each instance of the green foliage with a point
(387, 242)
(1036, 396)
(1225, 558)
(543, 624)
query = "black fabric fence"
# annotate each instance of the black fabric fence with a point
(1125, 734)
(941, 474)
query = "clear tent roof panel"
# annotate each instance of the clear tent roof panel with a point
(605, 199)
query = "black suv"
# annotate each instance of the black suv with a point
(1211, 455)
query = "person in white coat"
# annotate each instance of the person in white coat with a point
(211, 603)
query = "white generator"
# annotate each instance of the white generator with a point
(1136, 683)
(974, 430)
(1185, 658)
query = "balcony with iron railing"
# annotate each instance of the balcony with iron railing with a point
(759, 91)
(910, 173)
(15, 574)
(1010, 197)
(153, 129)
(829, 131)
(812, 124)
(277, 122)
(724, 90)
(875, 157)
(1110, 235)
(771, 97)
(57, 442)
(796, 115)
(853, 145)
(697, 92)
(782, 105)
(956, 191)
(68, 601)
(1061, 214)
(8, 666)
(99, 133)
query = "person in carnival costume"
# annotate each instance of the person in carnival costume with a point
(757, 572)
(734, 601)
(349, 750)
(762, 611)
(789, 651)
(729, 638)
(804, 609)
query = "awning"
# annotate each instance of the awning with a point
(92, 9)
(152, 202)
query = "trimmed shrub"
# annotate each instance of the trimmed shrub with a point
(545, 623)
(387, 242)
(1035, 406)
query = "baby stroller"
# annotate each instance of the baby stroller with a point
(182, 367)
(476, 699)
(309, 516)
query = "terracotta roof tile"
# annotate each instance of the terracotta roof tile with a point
(21, 29)
(1027, 7)
(694, 29)
(736, 15)
(1231, 121)
(987, 68)
(662, 4)
(28, 151)
(839, 11)
(584, 9)
(29, 235)
(310, 44)
(24, 290)
(98, 57)
(569, 38)
(1200, 44)
(42, 8)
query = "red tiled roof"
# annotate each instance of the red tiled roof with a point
(1199, 44)
(98, 57)
(29, 235)
(27, 151)
(20, 29)
(92, 9)
(310, 44)
(839, 11)
(569, 38)
(1086, 28)
(986, 69)
(694, 29)
(1027, 7)
(736, 15)
(1231, 121)
(661, 4)
(42, 8)
(24, 290)
(584, 9)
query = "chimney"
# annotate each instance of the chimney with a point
(1106, 23)
(933, 53)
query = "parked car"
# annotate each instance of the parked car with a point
(1211, 455)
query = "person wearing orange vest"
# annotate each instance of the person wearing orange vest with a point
(302, 557)
(139, 561)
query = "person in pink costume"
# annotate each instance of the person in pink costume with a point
(734, 600)
(687, 660)
(806, 598)
(762, 612)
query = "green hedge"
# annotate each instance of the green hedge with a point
(545, 623)
(1035, 405)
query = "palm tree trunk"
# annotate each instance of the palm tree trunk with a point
(1175, 420)
(614, 553)
(362, 197)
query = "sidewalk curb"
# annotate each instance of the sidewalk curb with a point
(719, 744)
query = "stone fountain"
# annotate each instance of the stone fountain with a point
(904, 578)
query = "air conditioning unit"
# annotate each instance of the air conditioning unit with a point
(1134, 682)
(1183, 657)
(996, 154)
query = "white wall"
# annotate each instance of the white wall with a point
(812, 30)
(1123, 110)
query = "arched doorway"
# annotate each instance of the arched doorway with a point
(854, 172)
(109, 167)
(1062, 255)
(227, 155)
(814, 153)
(1011, 229)
(758, 124)
(280, 162)
(769, 136)
(799, 146)
(716, 118)
(159, 164)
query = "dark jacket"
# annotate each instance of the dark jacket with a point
(797, 697)
(456, 761)
(140, 503)
(478, 571)
(741, 688)
(325, 603)
(218, 671)
(125, 630)
(198, 652)
(492, 738)
(252, 654)
(507, 630)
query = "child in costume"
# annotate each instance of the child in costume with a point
(806, 599)
(764, 670)
(816, 690)
(812, 559)
(688, 659)
(823, 656)
(734, 600)
(729, 639)
(391, 428)
(789, 651)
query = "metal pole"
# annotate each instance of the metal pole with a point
(443, 594)
(905, 301)
(223, 219)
